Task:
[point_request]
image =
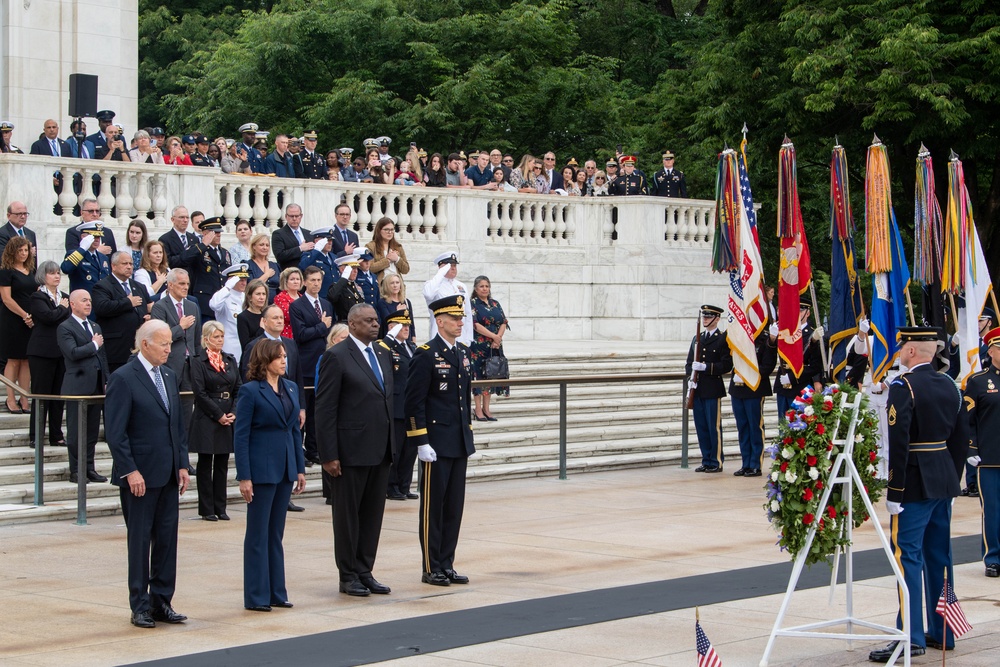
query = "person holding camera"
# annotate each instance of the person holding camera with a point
(145, 150)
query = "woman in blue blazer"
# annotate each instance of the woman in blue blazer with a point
(270, 460)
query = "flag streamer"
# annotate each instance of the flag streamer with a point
(845, 292)
(879, 216)
(725, 247)
(927, 223)
(795, 273)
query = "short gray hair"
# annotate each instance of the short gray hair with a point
(141, 134)
(44, 269)
(146, 332)
(291, 206)
(174, 274)
(173, 211)
(121, 254)
(208, 328)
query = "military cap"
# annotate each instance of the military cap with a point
(94, 228)
(326, 232)
(211, 224)
(450, 257)
(627, 159)
(249, 127)
(461, 155)
(421, 153)
(668, 156)
(105, 114)
(449, 305)
(918, 334)
(710, 311)
(188, 139)
(201, 139)
(383, 140)
(611, 163)
(236, 271)
(992, 337)
(572, 162)
(347, 260)
(347, 152)
(6, 126)
(363, 254)
(474, 155)
(310, 135)
(157, 132)
(370, 143)
(230, 142)
(399, 317)
(988, 313)
(804, 305)
(262, 134)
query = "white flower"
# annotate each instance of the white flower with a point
(787, 453)
(871, 469)
(809, 412)
(775, 506)
(775, 475)
(859, 438)
(813, 474)
(790, 477)
(828, 400)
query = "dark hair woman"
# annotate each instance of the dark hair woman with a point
(490, 325)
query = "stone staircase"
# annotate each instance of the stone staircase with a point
(613, 425)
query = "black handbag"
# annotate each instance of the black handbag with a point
(496, 367)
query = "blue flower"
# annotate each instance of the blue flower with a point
(798, 425)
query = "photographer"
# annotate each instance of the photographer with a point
(146, 150)
(116, 147)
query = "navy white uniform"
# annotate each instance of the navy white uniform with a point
(748, 407)
(714, 352)
(982, 401)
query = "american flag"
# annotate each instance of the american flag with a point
(707, 657)
(949, 608)
(747, 194)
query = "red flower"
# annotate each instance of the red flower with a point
(787, 440)
(807, 400)
(811, 460)
(821, 526)
(784, 466)
(820, 429)
(807, 518)
(790, 414)
(807, 495)
(835, 390)
(827, 407)
(872, 456)
(819, 485)
(832, 511)
(864, 518)
(829, 447)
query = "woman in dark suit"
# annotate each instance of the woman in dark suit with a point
(215, 381)
(48, 308)
(269, 462)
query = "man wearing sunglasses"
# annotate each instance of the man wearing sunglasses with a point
(90, 211)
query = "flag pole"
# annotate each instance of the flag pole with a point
(822, 344)
(944, 617)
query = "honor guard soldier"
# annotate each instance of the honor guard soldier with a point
(986, 319)
(982, 401)
(84, 265)
(6, 128)
(313, 164)
(786, 385)
(207, 259)
(629, 183)
(748, 407)
(710, 358)
(668, 182)
(245, 149)
(928, 444)
(345, 293)
(404, 455)
(99, 139)
(439, 424)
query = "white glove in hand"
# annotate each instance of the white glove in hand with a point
(785, 379)
(894, 508)
(231, 283)
(773, 330)
(698, 366)
(345, 273)
(86, 241)
(443, 269)
(692, 385)
(426, 454)
(864, 326)
(320, 244)
(737, 380)
(974, 461)
(394, 331)
(818, 333)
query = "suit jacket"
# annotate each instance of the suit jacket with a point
(73, 239)
(118, 317)
(338, 241)
(438, 396)
(85, 270)
(353, 412)
(294, 371)
(47, 317)
(175, 249)
(557, 179)
(309, 331)
(142, 434)
(86, 367)
(74, 147)
(286, 247)
(7, 232)
(344, 295)
(184, 342)
(42, 147)
(214, 396)
(267, 443)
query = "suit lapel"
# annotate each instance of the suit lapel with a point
(147, 382)
(362, 361)
(272, 398)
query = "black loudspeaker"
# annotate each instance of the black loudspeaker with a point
(82, 95)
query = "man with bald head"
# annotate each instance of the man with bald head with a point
(49, 143)
(179, 239)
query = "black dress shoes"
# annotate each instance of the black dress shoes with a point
(933, 643)
(455, 577)
(740, 472)
(74, 478)
(95, 476)
(993, 570)
(143, 619)
(411, 496)
(222, 517)
(166, 614)
(284, 604)
(752, 472)
(395, 495)
(374, 586)
(209, 517)
(883, 654)
(435, 579)
(355, 588)
(259, 607)
(292, 507)
(700, 469)
(719, 469)
(972, 491)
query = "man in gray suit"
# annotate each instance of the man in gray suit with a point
(82, 346)
(184, 318)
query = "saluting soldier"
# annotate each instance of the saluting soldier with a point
(404, 455)
(668, 182)
(786, 385)
(206, 260)
(345, 293)
(748, 407)
(928, 443)
(313, 164)
(245, 150)
(439, 420)
(982, 400)
(713, 360)
(629, 183)
(85, 265)
(6, 130)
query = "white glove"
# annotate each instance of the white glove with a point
(692, 385)
(394, 331)
(784, 379)
(345, 273)
(426, 454)
(974, 461)
(818, 333)
(443, 269)
(231, 283)
(773, 330)
(864, 326)
(737, 380)
(86, 241)
(698, 366)
(319, 245)
(894, 508)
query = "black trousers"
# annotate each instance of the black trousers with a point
(213, 469)
(93, 429)
(442, 501)
(403, 457)
(358, 507)
(312, 448)
(46, 378)
(152, 544)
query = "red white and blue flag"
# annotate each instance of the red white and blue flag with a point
(949, 608)
(707, 657)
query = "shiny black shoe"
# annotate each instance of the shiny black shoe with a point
(740, 472)
(355, 588)
(292, 507)
(701, 469)
(719, 469)
(166, 614)
(74, 478)
(374, 586)
(883, 654)
(95, 476)
(395, 495)
(935, 644)
(993, 570)
(455, 577)
(143, 619)
(411, 496)
(283, 604)
(222, 517)
(755, 472)
(209, 517)
(435, 579)
(259, 607)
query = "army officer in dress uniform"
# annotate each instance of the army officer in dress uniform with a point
(629, 183)
(439, 423)
(313, 164)
(786, 385)
(748, 407)
(928, 443)
(668, 182)
(982, 400)
(207, 259)
(711, 362)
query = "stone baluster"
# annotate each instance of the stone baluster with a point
(608, 223)
(562, 212)
(549, 213)
(67, 198)
(685, 226)
(273, 210)
(230, 210)
(507, 208)
(406, 202)
(245, 211)
(709, 214)
(671, 230)
(364, 217)
(105, 199)
(259, 210)
(416, 215)
(159, 190)
(517, 221)
(440, 228)
(142, 200)
(123, 201)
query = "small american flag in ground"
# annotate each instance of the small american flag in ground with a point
(707, 657)
(949, 608)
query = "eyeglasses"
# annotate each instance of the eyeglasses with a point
(599, 178)
(550, 159)
(509, 161)
(20, 215)
(91, 210)
(537, 167)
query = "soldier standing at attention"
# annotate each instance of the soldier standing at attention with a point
(748, 407)
(713, 361)
(439, 424)
(928, 443)
(629, 183)
(668, 182)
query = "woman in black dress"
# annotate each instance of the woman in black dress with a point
(48, 308)
(215, 381)
(17, 284)
(490, 324)
(248, 321)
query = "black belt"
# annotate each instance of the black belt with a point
(928, 446)
(223, 395)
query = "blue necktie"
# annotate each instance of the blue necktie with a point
(374, 364)
(55, 148)
(158, 381)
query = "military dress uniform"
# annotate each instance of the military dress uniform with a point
(86, 268)
(928, 441)
(628, 184)
(405, 452)
(206, 265)
(671, 184)
(313, 165)
(439, 414)
(748, 407)
(714, 353)
(982, 401)
(812, 371)
(226, 304)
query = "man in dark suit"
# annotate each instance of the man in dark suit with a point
(397, 342)
(90, 211)
(82, 346)
(50, 143)
(710, 358)
(206, 260)
(439, 423)
(121, 305)
(344, 239)
(354, 400)
(291, 240)
(312, 317)
(178, 240)
(555, 176)
(345, 293)
(150, 451)
(85, 265)
(184, 319)
(17, 225)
